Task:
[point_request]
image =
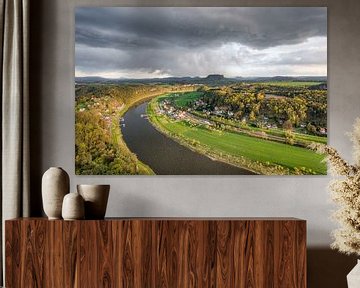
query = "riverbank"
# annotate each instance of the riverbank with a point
(144, 168)
(164, 155)
(260, 156)
(99, 145)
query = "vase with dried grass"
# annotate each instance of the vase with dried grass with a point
(345, 192)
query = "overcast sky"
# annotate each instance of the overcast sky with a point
(159, 42)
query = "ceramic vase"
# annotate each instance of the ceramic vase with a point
(96, 198)
(353, 278)
(73, 207)
(55, 185)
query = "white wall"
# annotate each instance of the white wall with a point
(304, 197)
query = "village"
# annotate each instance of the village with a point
(167, 108)
(199, 112)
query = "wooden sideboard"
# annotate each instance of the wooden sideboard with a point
(156, 252)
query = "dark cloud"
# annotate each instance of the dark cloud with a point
(166, 38)
(193, 27)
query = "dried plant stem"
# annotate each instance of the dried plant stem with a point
(345, 192)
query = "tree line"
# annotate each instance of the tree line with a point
(307, 109)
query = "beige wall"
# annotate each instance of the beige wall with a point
(52, 123)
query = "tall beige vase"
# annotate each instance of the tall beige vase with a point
(55, 185)
(96, 198)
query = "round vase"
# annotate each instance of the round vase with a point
(96, 198)
(55, 185)
(73, 207)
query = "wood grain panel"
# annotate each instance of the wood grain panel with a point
(268, 253)
(171, 253)
(33, 253)
(244, 254)
(210, 248)
(70, 247)
(301, 258)
(117, 232)
(285, 254)
(105, 254)
(224, 256)
(127, 261)
(173, 248)
(12, 252)
(162, 254)
(55, 269)
(88, 254)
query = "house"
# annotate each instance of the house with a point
(322, 131)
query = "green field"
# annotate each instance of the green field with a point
(236, 148)
(272, 131)
(181, 100)
(298, 136)
(185, 98)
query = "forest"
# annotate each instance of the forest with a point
(99, 147)
(298, 108)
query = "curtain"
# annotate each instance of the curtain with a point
(14, 30)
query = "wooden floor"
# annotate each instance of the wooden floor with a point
(156, 253)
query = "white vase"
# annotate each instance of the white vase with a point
(96, 198)
(55, 185)
(73, 207)
(353, 278)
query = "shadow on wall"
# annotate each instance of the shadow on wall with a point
(328, 268)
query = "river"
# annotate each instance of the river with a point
(164, 155)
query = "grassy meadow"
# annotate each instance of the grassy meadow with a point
(258, 155)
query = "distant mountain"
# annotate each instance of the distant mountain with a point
(312, 78)
(215, 77)
(281, 78)
(212, 79)
(91, 79)
(285, 78)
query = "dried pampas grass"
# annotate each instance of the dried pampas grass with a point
(345, 191)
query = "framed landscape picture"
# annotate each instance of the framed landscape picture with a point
(200, 90)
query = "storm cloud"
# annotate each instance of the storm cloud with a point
(160, 41)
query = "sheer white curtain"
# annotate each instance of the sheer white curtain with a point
(14, 30)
